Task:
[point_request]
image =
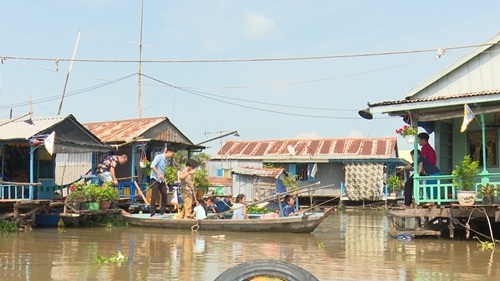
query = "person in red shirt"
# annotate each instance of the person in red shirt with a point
(426, 149)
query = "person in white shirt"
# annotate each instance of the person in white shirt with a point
(199, 212)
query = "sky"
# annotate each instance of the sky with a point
(268, 69)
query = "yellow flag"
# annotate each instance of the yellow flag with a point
(468, 117)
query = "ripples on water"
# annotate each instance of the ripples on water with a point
(348, 246)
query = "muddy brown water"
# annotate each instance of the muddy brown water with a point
(350, 245)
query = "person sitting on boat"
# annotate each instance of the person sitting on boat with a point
(239, 209)
(219, 205)
(289, 209)
(199, 212)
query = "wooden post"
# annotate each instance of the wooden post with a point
(140, 192)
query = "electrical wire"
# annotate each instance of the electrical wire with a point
(4, 58)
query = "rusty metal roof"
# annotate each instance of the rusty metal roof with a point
(319, 150)
(259, 172)
(122, 130)
(219, 181)
(154, 128)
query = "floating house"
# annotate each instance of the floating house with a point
(353, 167)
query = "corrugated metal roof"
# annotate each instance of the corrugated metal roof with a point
(436, 98)
(259, 172)
(320, 150)
(20, 130)
(71, 136)
(123, 130)
(219, 181)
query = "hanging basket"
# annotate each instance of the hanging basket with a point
(410, 138)
(142, 164)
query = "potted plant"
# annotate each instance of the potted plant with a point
(201, 183)
(407, 132)
(92, 192)
(106, 194)
(463, 179)
(394, 183)
(487, 191)
(78, 196)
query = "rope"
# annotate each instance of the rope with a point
(468, 229)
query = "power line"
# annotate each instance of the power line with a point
(5, 58)
(249, 107)
(73, 93)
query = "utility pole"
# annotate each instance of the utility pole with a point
(69, 71)
(139, 92)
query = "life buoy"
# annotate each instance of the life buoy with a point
(254, 270)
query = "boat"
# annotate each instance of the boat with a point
(303, 223)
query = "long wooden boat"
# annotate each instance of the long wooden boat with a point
(304, 223)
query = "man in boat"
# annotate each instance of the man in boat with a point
(187, 186)
(105, 170)
(219, 205)
(158, 184)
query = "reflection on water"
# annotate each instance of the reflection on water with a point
(347, 246)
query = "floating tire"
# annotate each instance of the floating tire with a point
(262, 269)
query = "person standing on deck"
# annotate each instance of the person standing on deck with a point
(105, 170)
(187, 186)
(158, 184)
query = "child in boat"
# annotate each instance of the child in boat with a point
(240, 211)
(199, 212)
(289, 210)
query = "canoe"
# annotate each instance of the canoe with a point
(304, 223)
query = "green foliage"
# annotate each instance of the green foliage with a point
(320, 245)
(257, 210)
(170, 175)
(463, 174)
(394, 182)
(147, 167)
(79, 192)
(8, 226)
(106, 193)
(103, 220)
(269, 165)
(485, 245)
(487, 189)
(290, 181)
(117, 258)
(201, 180)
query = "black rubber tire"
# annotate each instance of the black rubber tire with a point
(269, 268)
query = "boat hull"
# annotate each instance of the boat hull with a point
(294, 224)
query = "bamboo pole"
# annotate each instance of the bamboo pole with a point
(140, 192)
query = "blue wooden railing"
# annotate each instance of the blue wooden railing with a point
(439, 189)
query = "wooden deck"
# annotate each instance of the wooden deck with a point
(432, 220)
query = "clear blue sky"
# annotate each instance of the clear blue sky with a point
(270, 99)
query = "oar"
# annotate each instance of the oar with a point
(310, 208)
(276, 196)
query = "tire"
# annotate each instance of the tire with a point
(266, 268)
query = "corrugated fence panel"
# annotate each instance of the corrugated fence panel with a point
(70, 166)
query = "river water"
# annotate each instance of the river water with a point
(350, 245)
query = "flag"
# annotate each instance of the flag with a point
(49, 143)
(468, 117)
